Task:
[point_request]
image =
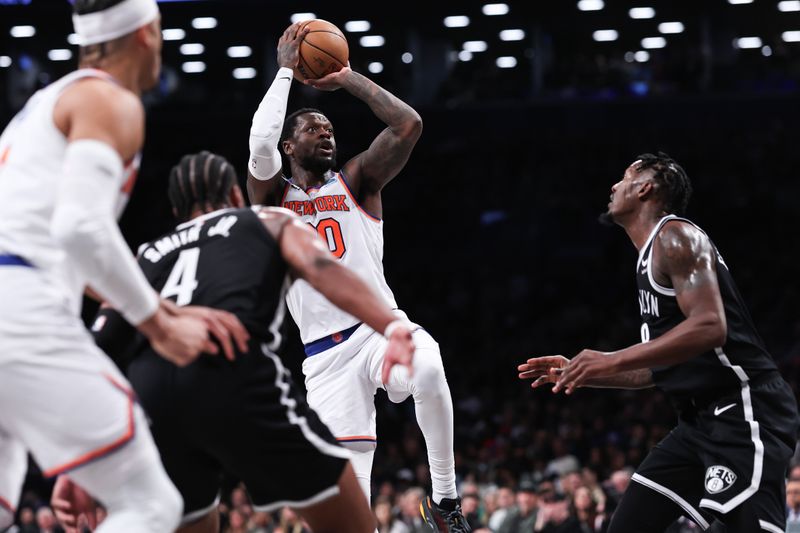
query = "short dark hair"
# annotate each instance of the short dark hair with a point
(291, 121)
(675, 188)
(200, 180)
(83, 7)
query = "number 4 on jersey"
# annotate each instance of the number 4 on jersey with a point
(182, 281)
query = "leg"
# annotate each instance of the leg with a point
(434, 409)
(643, 510)
(133, 487)
(326, 516)
(13, 464)
(362, 467)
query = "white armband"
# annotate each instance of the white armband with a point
(265, 132)
(85, 226)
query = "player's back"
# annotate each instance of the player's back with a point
(32, 151)
(227, 260)
(354, 236)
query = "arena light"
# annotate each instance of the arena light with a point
(748, 42)
(492, 10)
(372, 41)
(465, 55)
(244, 73)
(73, 39)
(791, 36)
(456, 21)
(654, 42)
(787, 6)
(193, 67)
(240, 51)
(59, 54)
(376, 67)
(192, 49)
(735, 2)
(642, 56)
(642, 12)
(355, 26)
(204, 23)
(605, 35)
(173, 34)
(407, 57)
(591, 5)
(20, 32)
(512, 35)
(297, 17)
(506, 62)
(672, 27)
(5, 61)
(475, 46)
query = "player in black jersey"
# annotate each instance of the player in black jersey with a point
(244, 416)
(728, 456)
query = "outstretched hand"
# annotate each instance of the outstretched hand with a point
(332, 81)
(543, 370)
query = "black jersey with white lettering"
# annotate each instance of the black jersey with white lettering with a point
(742, 358)
(226, 260)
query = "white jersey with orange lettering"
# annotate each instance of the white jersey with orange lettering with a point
(31, 161)
(354, 236)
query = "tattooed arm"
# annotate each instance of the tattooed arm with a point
(684, 259)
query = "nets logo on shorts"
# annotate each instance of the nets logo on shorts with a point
(719, 479)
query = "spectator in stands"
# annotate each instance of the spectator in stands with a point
(522, 517)
(793, 506)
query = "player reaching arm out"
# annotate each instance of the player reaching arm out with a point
(97, 119)
(309, 259)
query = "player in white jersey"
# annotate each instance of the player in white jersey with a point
(62, 183)
(342, 367)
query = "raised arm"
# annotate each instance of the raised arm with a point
(310, 260)
(265, 132)
(685, 259)
(370, 170)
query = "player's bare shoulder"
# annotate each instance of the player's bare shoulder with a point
(275, 218)
(682, 250)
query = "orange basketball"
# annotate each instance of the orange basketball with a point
(323, 50)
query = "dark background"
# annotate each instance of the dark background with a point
(492, 239)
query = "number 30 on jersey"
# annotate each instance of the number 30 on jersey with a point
(331, 231)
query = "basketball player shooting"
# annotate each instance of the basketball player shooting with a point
(67, 164)
(344, 356)
(728, 456)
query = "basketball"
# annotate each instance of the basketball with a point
(323, 50)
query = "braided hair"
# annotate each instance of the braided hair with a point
(674, 188)
(203, 181)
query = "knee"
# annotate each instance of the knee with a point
(429, 375)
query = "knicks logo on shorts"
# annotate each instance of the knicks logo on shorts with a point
(719, 479)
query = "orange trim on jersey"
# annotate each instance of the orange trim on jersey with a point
(105, 450)
(340, 176)
(356, 437)
(7, 506)
(131, 181)
(4, 155)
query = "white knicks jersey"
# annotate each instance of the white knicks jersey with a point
(31, 165)
(354, 236)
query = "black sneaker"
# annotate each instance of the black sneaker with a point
(445, 517)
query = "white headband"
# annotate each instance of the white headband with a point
(116, 21)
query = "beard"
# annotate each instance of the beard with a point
(319, 164)
(606, 219)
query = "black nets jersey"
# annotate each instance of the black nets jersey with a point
(742, 358)
(226, 260)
